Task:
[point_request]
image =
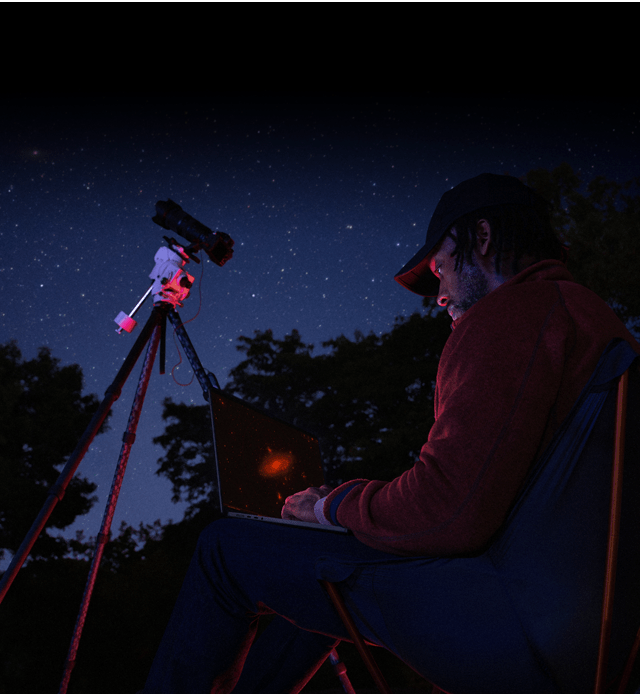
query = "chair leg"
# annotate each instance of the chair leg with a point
(614, 531)
(359, 642)
(629, 666)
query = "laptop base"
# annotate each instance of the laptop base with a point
(283, 521)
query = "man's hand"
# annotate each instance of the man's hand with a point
(299, 506)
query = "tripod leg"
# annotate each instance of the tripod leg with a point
(103, 536)
(190, 351)
(206, 385)
(341, 671)
(58, 489)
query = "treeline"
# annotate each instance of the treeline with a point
(369, 399)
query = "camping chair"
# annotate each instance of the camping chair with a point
(620, 366)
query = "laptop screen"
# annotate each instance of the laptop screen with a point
(262, 460)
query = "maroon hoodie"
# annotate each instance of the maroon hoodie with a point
(509, 374)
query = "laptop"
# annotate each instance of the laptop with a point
(260, 460)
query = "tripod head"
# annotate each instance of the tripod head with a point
(171, 284)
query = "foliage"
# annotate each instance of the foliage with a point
(42, 415)
(600, 226)
(186, 463)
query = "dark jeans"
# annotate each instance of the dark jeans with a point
(448, 619)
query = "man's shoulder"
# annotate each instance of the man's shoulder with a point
(550, 304)
(533, 292)
(518, 314)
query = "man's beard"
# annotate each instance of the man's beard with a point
(473, 286)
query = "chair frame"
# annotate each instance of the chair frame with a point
(612, 549)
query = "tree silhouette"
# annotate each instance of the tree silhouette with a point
(600, 227)
(42, 415)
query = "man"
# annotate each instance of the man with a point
(420, 570)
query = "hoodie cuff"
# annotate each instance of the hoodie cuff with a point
(336, 497)
(318, 509)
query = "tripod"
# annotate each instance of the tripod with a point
(171, 285)
(154, 331)
(153, 334)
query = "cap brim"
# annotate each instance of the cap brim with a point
(416, 275)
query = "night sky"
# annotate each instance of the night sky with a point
(326, 198)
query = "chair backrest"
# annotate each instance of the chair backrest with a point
(546, 567)
(552, 549)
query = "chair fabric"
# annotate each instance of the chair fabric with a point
(558, 532)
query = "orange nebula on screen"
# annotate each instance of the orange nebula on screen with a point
(276, 464)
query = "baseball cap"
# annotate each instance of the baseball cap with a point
(484, 190)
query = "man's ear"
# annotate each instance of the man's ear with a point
(483, 236)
